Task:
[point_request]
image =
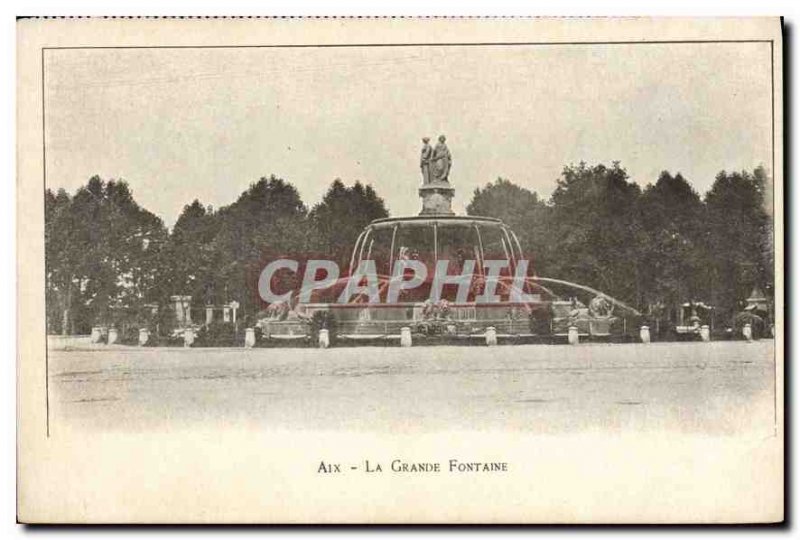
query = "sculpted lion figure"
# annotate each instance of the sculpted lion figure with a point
(601, 307)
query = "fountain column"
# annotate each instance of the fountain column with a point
(436, 198)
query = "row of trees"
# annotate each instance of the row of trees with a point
(660, 246)
(108, 257)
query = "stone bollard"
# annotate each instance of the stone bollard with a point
(772, 330)
(491, 336)
(572, 335)
(144, 336)
(747, 332)
(324, 338)
(644, 334)
(188, 337)
(705, 333)
(405, 336)
(97, 334)
(113, 335)
(249, 337)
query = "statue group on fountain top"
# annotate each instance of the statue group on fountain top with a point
(435, 161)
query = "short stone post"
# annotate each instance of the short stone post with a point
(209, 314)
(491, 336)
(644, 334)
(144, 336)
(705, 333)
(405, 336)
(572, 335)
(97, 334)
(188, 336)
(249, 337)
(324, 338)
(226, 313)
(747, 332)
(113, 335)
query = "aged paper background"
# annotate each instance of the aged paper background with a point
(231, 474)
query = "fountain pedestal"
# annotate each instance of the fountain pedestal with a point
(436, 198)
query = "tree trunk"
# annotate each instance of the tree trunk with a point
(67, 303)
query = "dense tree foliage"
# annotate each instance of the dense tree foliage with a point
(595, 229)
(739, 237)
(522, 210)
(188, 261)
(340, 217)
(101, 254)
(267, 221)
(673, 252)
(654, 248)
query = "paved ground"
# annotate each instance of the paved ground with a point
(714, 388)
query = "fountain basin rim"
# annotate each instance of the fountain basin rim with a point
(434, 218)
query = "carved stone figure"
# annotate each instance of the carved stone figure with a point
(601, 307)
(435, 191)
(425, 160)
(441, 161)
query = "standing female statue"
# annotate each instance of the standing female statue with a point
(425, 160)
(441, 161)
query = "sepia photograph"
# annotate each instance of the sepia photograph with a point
(537, 260)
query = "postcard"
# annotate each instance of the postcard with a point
(400, 270)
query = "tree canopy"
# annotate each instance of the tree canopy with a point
(595, 228)
(674, 250)
(739, 237)
(522, 210)
(660, 246)
(340, 217)
(101, 253)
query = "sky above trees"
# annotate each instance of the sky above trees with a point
(185, 124)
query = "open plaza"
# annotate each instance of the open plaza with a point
(719, 388)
